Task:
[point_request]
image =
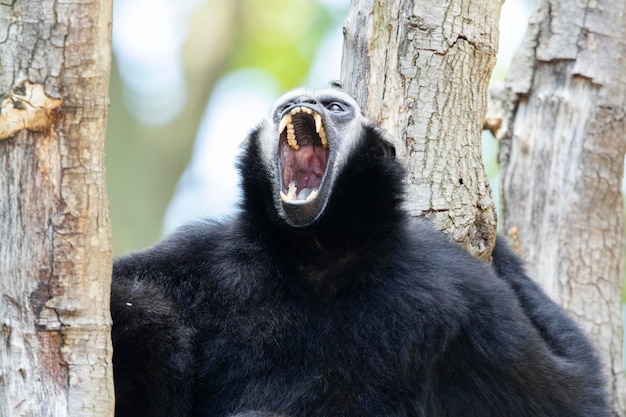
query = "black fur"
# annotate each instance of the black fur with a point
(364, 312)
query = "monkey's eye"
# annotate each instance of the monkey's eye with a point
(334, 107)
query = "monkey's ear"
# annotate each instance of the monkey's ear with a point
(335, 84)
(394, 146)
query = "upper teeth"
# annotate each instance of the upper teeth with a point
(322, 134)
(286, 122)
(291, 137)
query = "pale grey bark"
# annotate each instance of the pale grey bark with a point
(421, 69)
(55, 250)
(560, 119)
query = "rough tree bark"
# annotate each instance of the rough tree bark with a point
(55, 251)
(560, 119)
(421, 69)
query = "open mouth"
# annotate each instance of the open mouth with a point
(303, 155)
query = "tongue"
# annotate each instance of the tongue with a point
(304, 193)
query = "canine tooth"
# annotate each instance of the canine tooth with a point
(291, 193)
(318, 122)
(323, 137)
(284, 197)
(312, 195)
(285, 121)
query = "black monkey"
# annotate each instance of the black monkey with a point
(323, 298)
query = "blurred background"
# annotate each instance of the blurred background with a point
(190, 78)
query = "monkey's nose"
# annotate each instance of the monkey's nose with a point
(305, 99)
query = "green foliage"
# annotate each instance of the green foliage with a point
(144, 162)
(279, 36)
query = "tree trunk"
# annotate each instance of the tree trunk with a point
(55, 251)
(560, 119)
(421, 70)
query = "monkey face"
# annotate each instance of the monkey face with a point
(304, 143)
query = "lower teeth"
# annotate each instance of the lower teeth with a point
(293, 194)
